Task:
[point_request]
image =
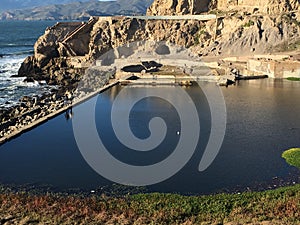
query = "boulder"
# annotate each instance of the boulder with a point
(27, 67)
(29, 80)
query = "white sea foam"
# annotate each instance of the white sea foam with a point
(16, 43)
(13, 88)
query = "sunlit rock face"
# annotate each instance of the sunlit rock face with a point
(264, 6)
(182, 7)
(178, 7)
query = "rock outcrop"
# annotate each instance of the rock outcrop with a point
(47, 62)
(272, 7)
(169, 7)
(246, 35)
(67, 49)
(179, 7)
(61, 54)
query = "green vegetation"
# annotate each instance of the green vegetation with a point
(293, 78)
(294, 45)
(281, 206)
(290, 19)
(286, 46)
(292, 156)
(202, 32)
(249, 24)
(218, 12)
(169, 71)
(197, 38)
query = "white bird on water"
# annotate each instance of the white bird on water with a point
(178, 132)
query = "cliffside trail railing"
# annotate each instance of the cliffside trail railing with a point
(68, 48)
(77, 30)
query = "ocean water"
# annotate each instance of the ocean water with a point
(17, 39)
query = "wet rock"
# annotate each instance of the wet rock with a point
(6, 219)
(27, 67)
(29, 80)
(30, 109)
(25, 99)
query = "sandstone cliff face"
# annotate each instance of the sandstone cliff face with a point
(179, 7)
(264, 6)
(111, 34)
(67, 47)
(58, 49)
(244, 35)
(46, 47)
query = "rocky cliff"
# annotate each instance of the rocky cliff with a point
(179, 7)
(66, 49)
(264, 6)
(62, 51)
(247, 35)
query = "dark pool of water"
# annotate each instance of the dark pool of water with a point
(263, 119)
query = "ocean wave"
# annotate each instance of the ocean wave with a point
(15, 45)
(6, 61)
(10, 66)
(27, 84)
(27, 52)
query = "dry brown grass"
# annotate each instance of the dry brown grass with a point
(280, 206)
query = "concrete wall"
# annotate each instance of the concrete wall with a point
(262, 67)
(287, 69)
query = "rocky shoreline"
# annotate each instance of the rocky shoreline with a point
(34, 110)
(15, 119)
